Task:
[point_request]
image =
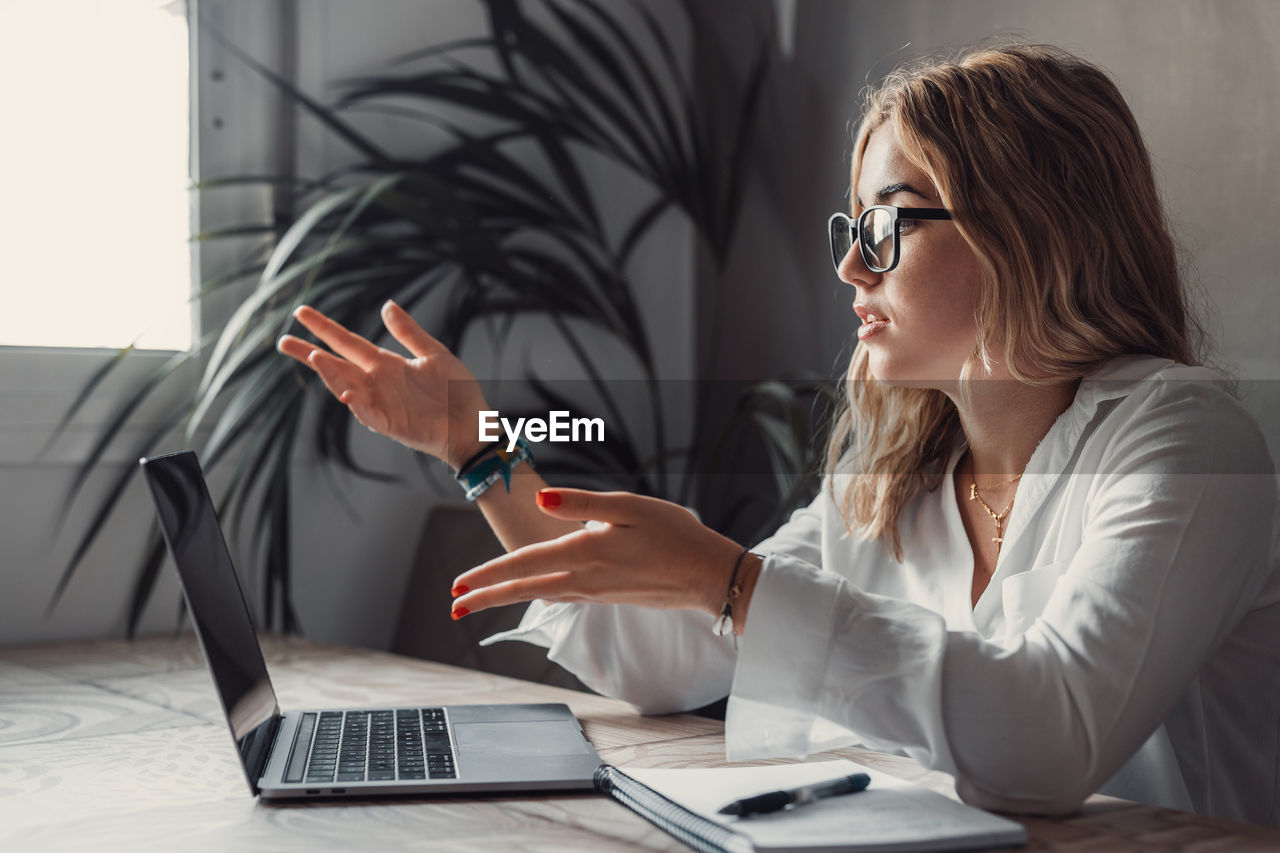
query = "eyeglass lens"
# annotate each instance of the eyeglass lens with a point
(875, 237)
(841, 239)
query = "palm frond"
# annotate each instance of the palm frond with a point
(499, 224)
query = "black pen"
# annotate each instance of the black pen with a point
(777, 800)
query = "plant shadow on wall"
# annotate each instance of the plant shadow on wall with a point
(498, 224)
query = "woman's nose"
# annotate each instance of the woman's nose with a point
(854, 271)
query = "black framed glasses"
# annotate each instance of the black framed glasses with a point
(878, 233)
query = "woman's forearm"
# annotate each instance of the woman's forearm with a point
(515, 517)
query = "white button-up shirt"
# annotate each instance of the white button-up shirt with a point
(1128, 642)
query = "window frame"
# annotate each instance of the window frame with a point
(236, 127)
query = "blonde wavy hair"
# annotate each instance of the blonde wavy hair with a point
(1042, 164)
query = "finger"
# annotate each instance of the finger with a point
(337, 375)
(360, 403)
(555, 586)
(619, 508)
(296, 348)
(343, 379)
(564, 552)
(343, 341)
(407, 331)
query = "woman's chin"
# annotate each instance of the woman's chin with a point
(887, 371)
(901, 376)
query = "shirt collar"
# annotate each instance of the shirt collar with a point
(1114, 380)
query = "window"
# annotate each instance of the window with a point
(96, 220)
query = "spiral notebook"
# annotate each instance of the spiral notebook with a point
(891, 815)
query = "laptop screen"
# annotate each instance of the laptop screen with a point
(216, 603)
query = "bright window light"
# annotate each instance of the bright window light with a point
(94, 221)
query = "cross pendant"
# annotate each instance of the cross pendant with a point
(999, 540)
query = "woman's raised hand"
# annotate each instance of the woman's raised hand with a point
(648, 552)
(429, 402)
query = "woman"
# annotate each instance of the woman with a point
(1042, 558)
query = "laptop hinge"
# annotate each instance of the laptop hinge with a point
(272, 732)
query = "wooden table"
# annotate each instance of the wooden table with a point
(119, 745)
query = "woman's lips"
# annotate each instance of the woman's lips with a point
(870, 326)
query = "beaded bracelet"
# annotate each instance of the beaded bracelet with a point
(476, 478)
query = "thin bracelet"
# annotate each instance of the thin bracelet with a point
(723, 625)
(490, 469)
(475, 457)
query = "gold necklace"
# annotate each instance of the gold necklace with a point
(997, 517)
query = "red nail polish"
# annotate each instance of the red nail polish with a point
(549, 499)
(458, 613)
(460, 589)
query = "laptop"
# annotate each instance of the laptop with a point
(366, 752)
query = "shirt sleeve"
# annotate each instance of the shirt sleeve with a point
(1175, 547)
(661, 661)
(801, 536)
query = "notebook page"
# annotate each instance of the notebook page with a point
(890, 815)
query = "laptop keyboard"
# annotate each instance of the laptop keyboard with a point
(376, 746)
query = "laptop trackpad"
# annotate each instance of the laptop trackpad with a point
(547, 737)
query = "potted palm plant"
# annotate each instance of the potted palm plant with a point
(473, 223)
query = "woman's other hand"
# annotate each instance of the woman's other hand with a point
(649, 552)
(429, 402)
